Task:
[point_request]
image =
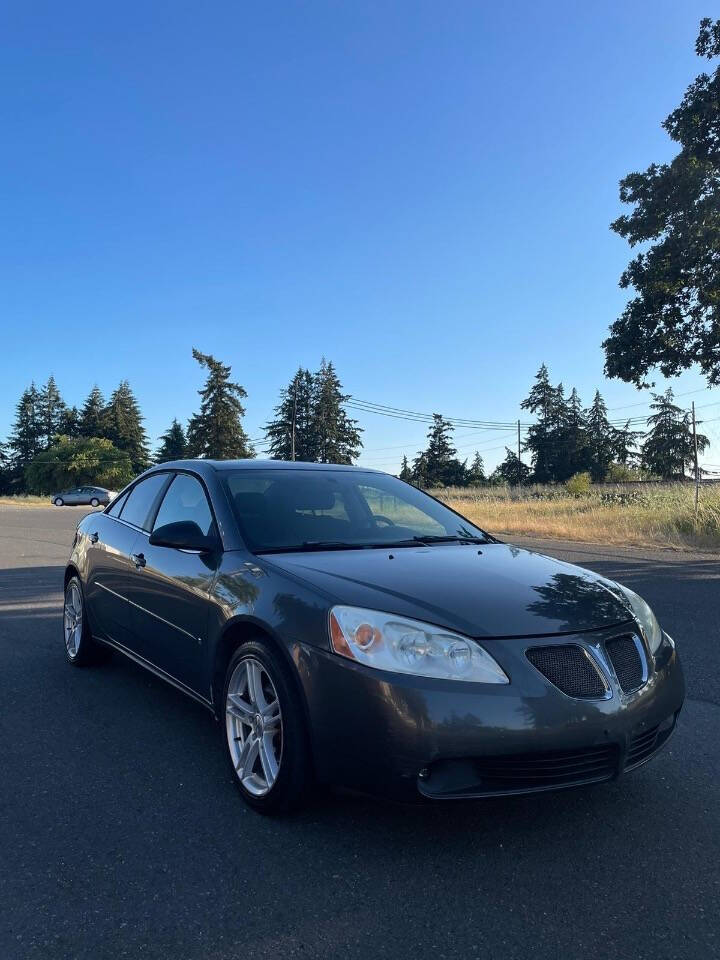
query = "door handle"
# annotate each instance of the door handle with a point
(94, 537)
(138, 559)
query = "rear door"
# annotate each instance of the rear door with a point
(111, 553)
(171, 594)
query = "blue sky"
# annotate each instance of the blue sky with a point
(419, 191)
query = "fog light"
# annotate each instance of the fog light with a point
(424, 774)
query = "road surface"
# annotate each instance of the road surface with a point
(121, 834)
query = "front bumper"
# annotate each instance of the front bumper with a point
(405, 736)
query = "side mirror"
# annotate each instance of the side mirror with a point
(183, 535)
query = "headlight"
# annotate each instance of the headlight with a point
(646, 619)
(387, 642)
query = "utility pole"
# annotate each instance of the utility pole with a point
(294, 416)
(518, 440)
(697, 472)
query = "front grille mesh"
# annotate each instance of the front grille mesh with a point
(569, 669)
(626, 660)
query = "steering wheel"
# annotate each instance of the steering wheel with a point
(378, 517)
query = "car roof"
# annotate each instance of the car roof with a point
(205, 466)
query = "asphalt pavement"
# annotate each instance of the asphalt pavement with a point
(122, 835)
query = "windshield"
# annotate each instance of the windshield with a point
(289, 509)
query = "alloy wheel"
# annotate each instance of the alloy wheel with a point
(253, 721)
(73, 620)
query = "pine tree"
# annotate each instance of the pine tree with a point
(439, 463)
(70, 422)
(216, 432)
(92, 415)
(51, 411)
(624, 443)
(291, 433)
(336, 435)
(476, 473)
(420, 470)
(406, 473)
(668, 448)
(512, 470)
(599, 437)
(26, 436)
(122, 426)
(173, 444)
(577, 459)
(5, 468)
(542, 401)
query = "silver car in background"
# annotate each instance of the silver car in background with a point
(92, 496)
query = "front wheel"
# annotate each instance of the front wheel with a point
(265, 736)
(94, 502)
(80, 648)
(59, 501)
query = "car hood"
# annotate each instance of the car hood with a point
(496, 591)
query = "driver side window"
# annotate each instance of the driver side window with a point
(185, 500)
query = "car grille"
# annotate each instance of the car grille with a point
(570, 669)
(625, 657)
(544, 771)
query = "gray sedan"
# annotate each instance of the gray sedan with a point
(92, 496)
(347, 628)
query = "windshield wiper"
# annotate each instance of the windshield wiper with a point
(448, 538)
(309, 545)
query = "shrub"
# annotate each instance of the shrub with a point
(578, 484)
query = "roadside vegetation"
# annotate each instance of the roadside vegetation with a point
(661, 515)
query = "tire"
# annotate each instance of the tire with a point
(80, 648)
(94, 502)
(58, 501)
(264, 739)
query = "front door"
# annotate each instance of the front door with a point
(171, 594)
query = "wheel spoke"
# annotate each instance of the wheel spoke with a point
(255, 690)
(247, 758)
(239, 709)
(267, 759)
(271, 716)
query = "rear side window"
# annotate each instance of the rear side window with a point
(185, 500)
(142, 499)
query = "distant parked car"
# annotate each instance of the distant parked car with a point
(94, 496)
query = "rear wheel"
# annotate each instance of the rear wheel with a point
(80, 648)
(265, 737)
(59, 501)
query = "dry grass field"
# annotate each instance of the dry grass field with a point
(642, 515)
(24, 500)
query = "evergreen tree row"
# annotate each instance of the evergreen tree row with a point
(566, 439)
(52, 445)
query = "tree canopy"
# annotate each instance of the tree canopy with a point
(76, 461)
(673, 321)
